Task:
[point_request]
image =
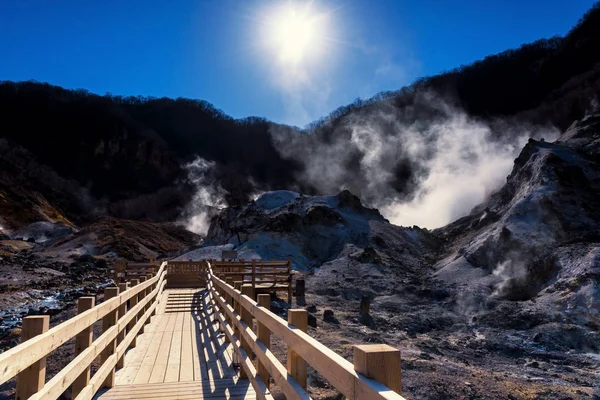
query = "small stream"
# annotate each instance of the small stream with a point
(45, 302)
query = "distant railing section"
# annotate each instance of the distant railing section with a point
(186, 267)
(265, 276)
(189, 274)
(375, 374)
(125, 271)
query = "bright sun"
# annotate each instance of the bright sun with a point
(295, 32)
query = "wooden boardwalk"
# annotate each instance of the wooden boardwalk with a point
(162, 342)
(180, 346)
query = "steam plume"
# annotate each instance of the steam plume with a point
(418, 167)
(209, 197)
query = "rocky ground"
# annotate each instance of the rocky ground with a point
(448, 356)
(45, 266)
(59, 358)
(503, 303)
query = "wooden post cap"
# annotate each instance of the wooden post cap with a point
(247, 287)
(84, 303)
(379, 362)
(110, 292)
(264, 300)
(34, 325)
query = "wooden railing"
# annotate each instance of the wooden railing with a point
(265, 276)
(123, 313)
(126, 310)
(125, 271)
(374, 375)
(186, 274)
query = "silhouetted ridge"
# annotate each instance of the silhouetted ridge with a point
(120, 148)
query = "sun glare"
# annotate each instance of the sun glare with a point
(295, 32)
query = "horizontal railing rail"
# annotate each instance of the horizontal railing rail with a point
(123, 313)
(265, 276)
(125, 270)
(235, 308)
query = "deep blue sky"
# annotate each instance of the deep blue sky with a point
(207, 49)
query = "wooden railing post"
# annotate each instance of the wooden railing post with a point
(253, 274)
(148, 305)
(32, 379)
(107, 321)
(132, 303)
(300, 292)
(237, 285)
(289, 271)
(297, 367)
(365, 304)
(236, 307)
(140, 297)
(264, 335)
(121, 335)
(83, 340)
(120, 270)
(246, 316)
(379, 362)
(229, 301)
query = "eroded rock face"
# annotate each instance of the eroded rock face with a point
(543, 241)
(311, 230)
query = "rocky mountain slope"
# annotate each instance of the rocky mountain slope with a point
(537, 240)
(503, 303)
(310, 230)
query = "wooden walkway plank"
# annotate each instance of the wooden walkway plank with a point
(160, 363)
(174, 360)
(133, 360)
(143, 376)
(200, 371)
(186, 372)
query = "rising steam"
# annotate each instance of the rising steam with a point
(209, 197)
(418, 170)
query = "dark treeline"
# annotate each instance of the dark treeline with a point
(122, 147)
(119, 146)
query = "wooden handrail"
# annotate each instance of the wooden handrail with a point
(120, 332)
(96, 382)
(276, 369)
(19, 358)
(260, 388)
(333, 367)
